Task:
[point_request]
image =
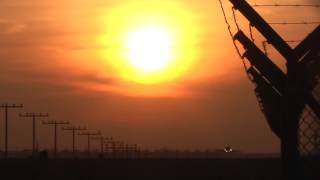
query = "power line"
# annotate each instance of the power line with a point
(55, 124)
(6, 107)
(34, 116)
(73, 129)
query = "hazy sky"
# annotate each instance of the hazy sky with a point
(52, 60)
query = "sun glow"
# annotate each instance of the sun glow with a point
(149, 48)
(149, 42)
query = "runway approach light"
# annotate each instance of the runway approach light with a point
(228, 149)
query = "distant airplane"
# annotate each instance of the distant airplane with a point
(227, 149)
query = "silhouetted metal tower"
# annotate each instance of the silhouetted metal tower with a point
(89, 136)
(6, 107)
(73, 129)
(34, 116)
(55, 125)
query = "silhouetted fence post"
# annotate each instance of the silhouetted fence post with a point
(283, 96)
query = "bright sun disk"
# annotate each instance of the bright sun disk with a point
(149, 48)
(153, 45)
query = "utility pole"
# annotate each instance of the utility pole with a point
(55, 124)
(34, 116)
(89, 135)
(73, 129)
(6, 137)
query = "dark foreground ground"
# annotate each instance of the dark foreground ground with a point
(152, 169)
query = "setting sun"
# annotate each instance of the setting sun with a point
(149, 45)
(149, 48)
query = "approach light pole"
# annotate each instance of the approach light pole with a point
(89, 136)
(6, 107)
(102, 140)
(34, 116)
(55, 125)
(73, 129)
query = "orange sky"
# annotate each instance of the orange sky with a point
(54, 58)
